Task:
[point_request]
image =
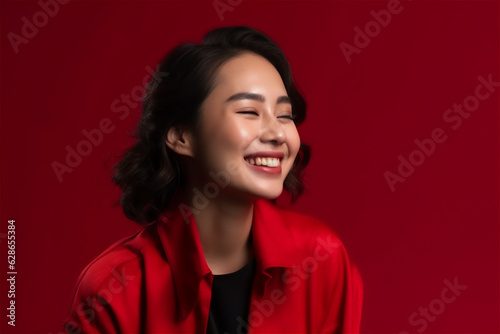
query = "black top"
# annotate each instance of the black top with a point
(230, 301)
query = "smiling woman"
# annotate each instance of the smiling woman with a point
(235, 263)
(247, 116)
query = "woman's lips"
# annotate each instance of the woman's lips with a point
(266, 169)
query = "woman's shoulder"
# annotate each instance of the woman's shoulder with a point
(110, 285)
(120, 261)
(302, 236)
(323, 255)
(306, 227)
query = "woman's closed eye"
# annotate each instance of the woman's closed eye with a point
(253, 112)
(290, 117)
(248, 112)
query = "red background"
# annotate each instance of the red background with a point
(441, 223)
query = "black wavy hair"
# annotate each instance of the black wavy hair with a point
(149, 173)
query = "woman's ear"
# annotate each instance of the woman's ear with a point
(180, 141)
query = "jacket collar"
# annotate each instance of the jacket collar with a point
(274, 246)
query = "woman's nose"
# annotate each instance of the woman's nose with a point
(272, 131)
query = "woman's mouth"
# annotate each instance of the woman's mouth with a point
(265, 162)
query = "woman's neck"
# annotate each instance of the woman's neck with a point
(224, 225)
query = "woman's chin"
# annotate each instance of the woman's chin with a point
(269, 193)
(250, 192)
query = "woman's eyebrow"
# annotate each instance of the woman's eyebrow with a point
(256, 97)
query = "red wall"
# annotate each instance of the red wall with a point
(437, 226)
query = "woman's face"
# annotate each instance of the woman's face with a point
(245, 130)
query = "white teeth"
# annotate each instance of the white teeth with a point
(264, 161)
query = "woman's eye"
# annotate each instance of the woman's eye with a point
(248, 112)
(290, 117)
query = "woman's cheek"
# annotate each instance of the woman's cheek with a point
(294, 141)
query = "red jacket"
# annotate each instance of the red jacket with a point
(157, 281)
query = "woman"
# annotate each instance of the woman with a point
(217, 142)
